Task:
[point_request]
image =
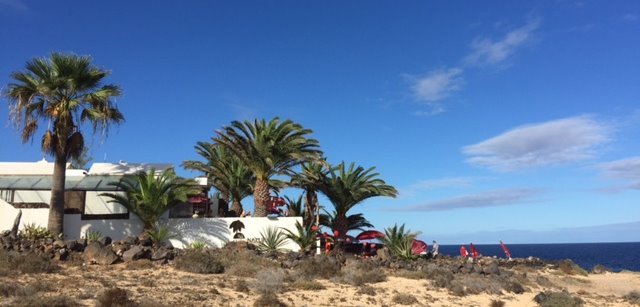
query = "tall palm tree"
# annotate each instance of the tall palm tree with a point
(149, 195)
(310, 176)
(347, 187)
(268, 149)
(225, 172)
(65, 91)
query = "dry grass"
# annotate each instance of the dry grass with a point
(199, 261)
(404, 299)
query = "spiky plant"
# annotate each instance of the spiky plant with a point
(294, 206)
(304, 236)
(399, 242)
(271, 240)
(93, 235)
(198, 245)
(160, 233)
(63, 91)
(268, 149)
(149, 195)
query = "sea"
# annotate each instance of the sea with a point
(614, 256)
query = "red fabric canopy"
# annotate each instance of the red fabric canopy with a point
(418, 247)
(369, 235)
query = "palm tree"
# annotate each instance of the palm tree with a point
(309, 178)
(65, 91)
(149, 195)
(294, 205)
(225, 172)
(399, 242)
(347, 187)
(268, 149)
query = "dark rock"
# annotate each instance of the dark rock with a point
(95, 252)
(599, 269)
(62, 254)
(16, 223)
(73, 245)
(5, 233)
(136, 252)
(106, 240)
(144, 240)
(383, 254)
(59, 244)
(129, 240)
(467, 268)
(167, 245)
(491, 269)
(160, 254)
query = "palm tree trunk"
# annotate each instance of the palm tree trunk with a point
(260, 197)
(310, 207)
(236, 207)
(56, 210)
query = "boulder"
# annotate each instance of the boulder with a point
(160, 254)
(136, 252)
(144, 240)
(129, 240)
(491, 269)
(62, 254)
(106, 240)
(96, 252)
(73, 245)
(59, 244)
(383, 254)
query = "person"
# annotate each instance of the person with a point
(474, 252)
(505, 250)
(463, 252)
(435, 249)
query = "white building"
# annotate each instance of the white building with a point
(26, 186)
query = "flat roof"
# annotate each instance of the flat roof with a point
(72, 183)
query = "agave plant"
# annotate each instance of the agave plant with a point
(198, 245)
(399, 241)
(294, 206)
(305, 237)
(93, 236)
(272, 240)
(159, 234)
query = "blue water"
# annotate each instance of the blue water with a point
(615, 256)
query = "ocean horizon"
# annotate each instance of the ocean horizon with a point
(614, 256)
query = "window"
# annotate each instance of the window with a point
(6, 195)
(74, 202)
(98, 207)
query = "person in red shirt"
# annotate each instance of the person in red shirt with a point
(474, 252)
(463, 252)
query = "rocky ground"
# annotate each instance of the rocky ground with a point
(135, 272)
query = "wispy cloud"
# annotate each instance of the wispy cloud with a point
(543, 144)
(494, 198)
(485, 51)
(438, 84)
(629, 17)
(14, 4)
(624, 169)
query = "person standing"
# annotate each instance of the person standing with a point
(463, 252)
(435, 249)
(474, 252)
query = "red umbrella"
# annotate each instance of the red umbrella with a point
(418, 247)
(369, 235)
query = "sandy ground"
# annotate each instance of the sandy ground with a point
(164, 284)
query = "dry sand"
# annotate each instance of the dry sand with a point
(164, 284)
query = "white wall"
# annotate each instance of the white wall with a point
(96, 204)
(8, 214)
(216, 232)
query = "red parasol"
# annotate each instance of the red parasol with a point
(418, 247)
(369, 235)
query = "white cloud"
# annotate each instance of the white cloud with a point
(438, 84)
(624, 169)
(549, 143)
(493, 198)
(485, 51)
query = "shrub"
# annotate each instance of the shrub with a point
(114, 297)
(404, 299)
(318, 267)
(242, 263)
(568, 267)
(93, 236)
(140, 264)
(270, 300)
(9, 289)
(513, 287)
(198, 245)
(440, 276)
(35, 232)
(496, 303)
(241, 286)
(159, 234)
(633, 297)
(554, 299)
(368, 290)
(303, 284)
(473, 284)
(30, 263)
(268, 282)
(45, 301)
(399, 242)
(198, 261)
(305, 237)
(271, 240)
(360, 273)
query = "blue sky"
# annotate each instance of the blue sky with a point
(494, 120)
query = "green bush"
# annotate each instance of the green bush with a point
(35, 232)
(272, 240)
(198, 245)
(404, 299)
(199, 261)
(114, 297)
(399, 242)
(93, 236)
(160, 234)
(305, 237)
(555, 299)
